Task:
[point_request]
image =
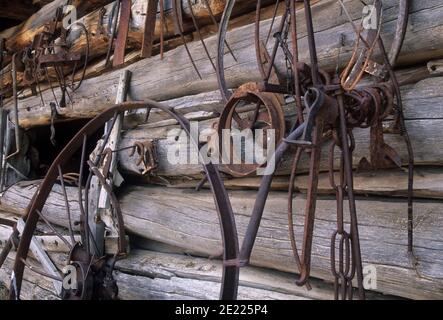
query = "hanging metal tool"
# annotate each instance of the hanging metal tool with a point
(149, 30)
(178, 27)
(333, 107)
(15, 111)
(122, 35)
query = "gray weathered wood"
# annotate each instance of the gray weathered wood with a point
(187, 219)
(100, 206)
(174, 76)
(147, 275)
(161, 275)
(423, 106)
(51, 243)
(428, 183)
(34, 286)
(42, 256)
(20, 36)
(425, 137)
(97, 24)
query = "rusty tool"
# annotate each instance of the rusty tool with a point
(112, 29)
(148, 33)
(15, 97)
(147, 155)
(122, 34)
(200, 36)
(178, 27)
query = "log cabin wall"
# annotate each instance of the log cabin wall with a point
(173, 229)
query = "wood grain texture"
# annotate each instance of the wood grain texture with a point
(22, 35)
(424, 136)
(147, 275)
(428, 183)
(167, 276)
(97, 24)
(187, 219)
(174, 76)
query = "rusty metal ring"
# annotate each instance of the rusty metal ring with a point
(274, 114)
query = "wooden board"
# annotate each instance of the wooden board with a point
(424, 135)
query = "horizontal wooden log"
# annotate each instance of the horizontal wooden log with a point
(53, 243)
(424, 136)
(147, 275)
(428, 183)
(160, 284)
(22, 35)
(151, 78)
(423, 106)
(187, 219)
(207, 101)
(97, 68)
(166, 276)
(272, 245)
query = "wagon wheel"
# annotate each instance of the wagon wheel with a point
(92, 268)
(77, 266)
(284, 30)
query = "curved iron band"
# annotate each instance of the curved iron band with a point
(223, 205)
(266, 71)
(400, 32)
(223, 27)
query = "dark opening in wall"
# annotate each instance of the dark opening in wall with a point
(43, 152)
(8, 23)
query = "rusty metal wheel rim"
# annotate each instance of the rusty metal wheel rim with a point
(229, 281)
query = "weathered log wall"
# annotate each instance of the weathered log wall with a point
(187, 219)
(97, 24)
(20, 36)
(423, 106)
(152, 77)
